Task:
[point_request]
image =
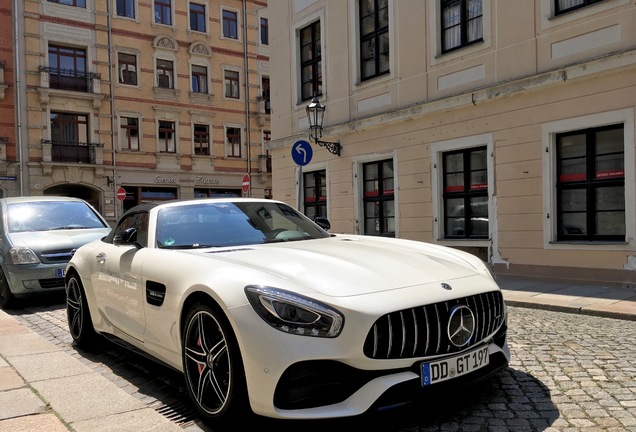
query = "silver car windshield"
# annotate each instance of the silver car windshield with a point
(51, 215)
(232, 224)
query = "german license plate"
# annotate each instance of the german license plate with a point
(454, 367)
(61, 273)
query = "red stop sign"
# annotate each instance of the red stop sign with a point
(246, 183)
(121, 194)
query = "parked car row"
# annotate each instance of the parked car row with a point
(262, 309)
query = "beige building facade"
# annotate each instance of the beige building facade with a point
(505, 128)
(124, 102)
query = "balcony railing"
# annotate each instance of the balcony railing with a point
(69, 79)
(74, 152)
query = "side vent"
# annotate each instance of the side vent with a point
(155, 293)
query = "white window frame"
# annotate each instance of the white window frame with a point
(167, 57)
(241, 90)
(437, 188)
(548, 141)
(132, 52)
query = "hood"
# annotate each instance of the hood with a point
(39, 241)
(353, 265)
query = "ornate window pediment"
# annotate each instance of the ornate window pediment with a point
(200, 49)
(165, 43)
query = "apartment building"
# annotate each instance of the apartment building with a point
(8, 171)
(501, 127)
(126, 101)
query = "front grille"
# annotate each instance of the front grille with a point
(57, 256)
(422, 331)
(51, 283)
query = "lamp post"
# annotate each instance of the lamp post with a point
(316, 115)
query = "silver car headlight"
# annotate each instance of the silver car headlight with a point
(293, 313)
(23, 255)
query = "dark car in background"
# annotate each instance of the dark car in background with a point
(38, 236)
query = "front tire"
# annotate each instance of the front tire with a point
(7, 299)
(79, 317)
(213, 367)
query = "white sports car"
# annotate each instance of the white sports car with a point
(264, 311)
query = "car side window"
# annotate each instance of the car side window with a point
(139, 221)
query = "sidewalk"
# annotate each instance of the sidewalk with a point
(43, 388)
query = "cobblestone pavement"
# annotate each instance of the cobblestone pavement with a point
(568, 373)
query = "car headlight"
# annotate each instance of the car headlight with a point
(293, 313)
(23, 255)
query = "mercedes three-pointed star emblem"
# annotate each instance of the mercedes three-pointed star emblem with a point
(461, 325)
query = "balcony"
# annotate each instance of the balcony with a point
(71, 152)
(70, 84)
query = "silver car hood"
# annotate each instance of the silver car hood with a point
(353, 265)
(56, 239)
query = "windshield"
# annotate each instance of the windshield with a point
(52, 215)
(232, 224)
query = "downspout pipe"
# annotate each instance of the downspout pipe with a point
(18, 100)
(112, 104)
(247, 97)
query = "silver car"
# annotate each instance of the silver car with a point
(38, 237)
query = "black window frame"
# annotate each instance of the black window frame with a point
(199, 79)
(310, 58)
(164, 71)
(591, 182)
(163, 12)
(130, 75)
(315, 194)
(126, 8)
(127, 132)
(197, 20)
(380, 197)
(74, 3)
(201, 139)
(230, 24)
(463, 24)
(264, 31)
(233, 139)
(373, 39)
(558, 10)
(167, 132)
(232, 84)
(467, 192)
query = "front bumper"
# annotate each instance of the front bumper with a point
(27, 279)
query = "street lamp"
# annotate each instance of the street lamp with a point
(316, 114)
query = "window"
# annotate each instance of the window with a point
(199, 79)
(264, 31)
(310, 61)
(69, 128)
(163, 12)
(465, 193)
(129, 128)
(232, 84)
(374, 38)
(165, 74)
(126, 8)
(197, 17)
(201, 139)
(230, 24)
(462, 23)
(233, 139)
(563, 6)
(591, 184)
(167, 137)
(76, 3)
(127, 68)
(379, 199)
(315, 196)
(265, 94)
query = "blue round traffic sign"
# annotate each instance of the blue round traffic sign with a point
(301, 152)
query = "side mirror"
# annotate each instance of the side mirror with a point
(323, 223)
(126, 237)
